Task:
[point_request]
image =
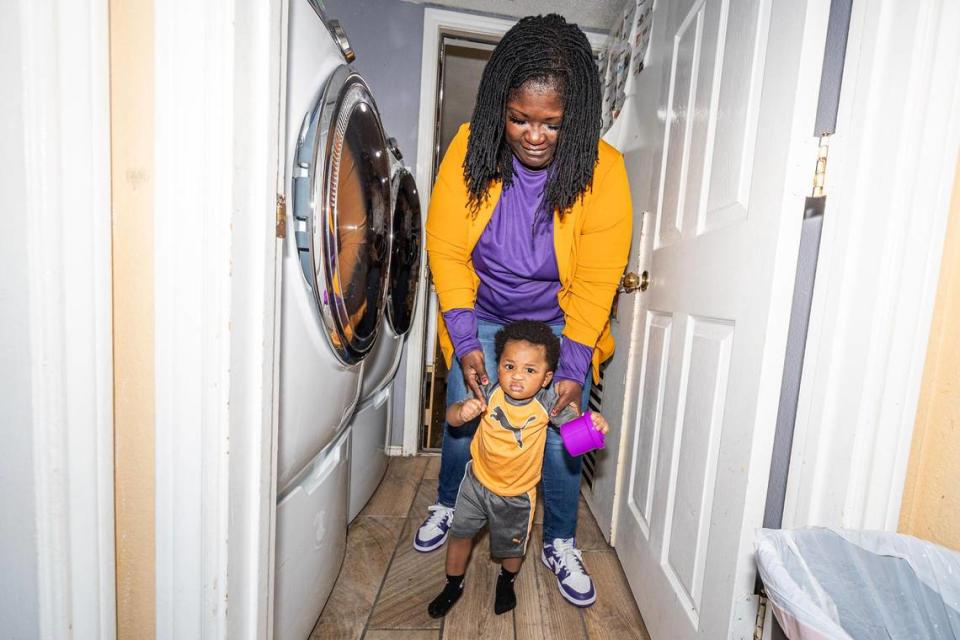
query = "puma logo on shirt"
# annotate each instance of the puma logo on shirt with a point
(498, 415)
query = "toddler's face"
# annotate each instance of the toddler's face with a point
(522, 369)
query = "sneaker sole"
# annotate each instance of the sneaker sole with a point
(577, 603)
(433, 547)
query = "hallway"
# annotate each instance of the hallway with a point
(384, 586)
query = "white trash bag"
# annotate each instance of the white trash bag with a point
(838, 584)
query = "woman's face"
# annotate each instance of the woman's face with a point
(534, 115)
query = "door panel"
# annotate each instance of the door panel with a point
(712, 102)
(681, 112)
(690, 489)
(712, 169)
(647, 443)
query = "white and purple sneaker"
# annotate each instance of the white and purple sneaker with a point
(566, 562)
(434, 530)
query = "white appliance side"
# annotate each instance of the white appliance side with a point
(311, 541)
(317, 392)
(381, 365)
(368, 455)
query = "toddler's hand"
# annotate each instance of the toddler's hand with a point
(599, 422)
(470, 409)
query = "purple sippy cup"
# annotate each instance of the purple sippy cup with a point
(580, 436)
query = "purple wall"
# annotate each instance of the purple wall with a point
(387, 36)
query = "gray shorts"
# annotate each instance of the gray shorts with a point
(510, 518)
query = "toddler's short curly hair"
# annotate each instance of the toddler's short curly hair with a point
(534, 332)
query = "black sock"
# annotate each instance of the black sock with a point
(506, 599)
(447, 598)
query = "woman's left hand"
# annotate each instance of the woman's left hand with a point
(568, 392)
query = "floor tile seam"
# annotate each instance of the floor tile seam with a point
(410, 516)
(536, 589)
(404, 628)
(386, 570)
(416, 491)
(432, 629)
(381, 517)
(626, 620)
(383, 580)
(413, 498)
(393, 558)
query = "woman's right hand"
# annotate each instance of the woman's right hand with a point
(475, 374)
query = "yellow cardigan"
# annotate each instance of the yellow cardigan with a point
(591, 242)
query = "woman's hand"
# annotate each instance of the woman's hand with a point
(568, 392)
(475, 374)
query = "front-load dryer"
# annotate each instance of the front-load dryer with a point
(371, 422)
(335, 267)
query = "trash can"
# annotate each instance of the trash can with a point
(839, 584)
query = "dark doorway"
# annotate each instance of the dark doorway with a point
(461, 64)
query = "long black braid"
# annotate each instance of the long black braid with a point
(549, 51)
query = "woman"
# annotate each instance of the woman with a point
(530, 218)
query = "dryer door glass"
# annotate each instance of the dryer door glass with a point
(405, 261)
(341, 208)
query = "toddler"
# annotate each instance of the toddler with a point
(499, 486)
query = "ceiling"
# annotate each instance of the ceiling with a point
(593, 15)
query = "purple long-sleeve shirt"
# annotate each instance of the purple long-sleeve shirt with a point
(519, 279)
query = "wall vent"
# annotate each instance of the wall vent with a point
(595, 404)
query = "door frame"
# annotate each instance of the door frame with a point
(421, 340)
(62, 63)
(217, 147)
(866, 350)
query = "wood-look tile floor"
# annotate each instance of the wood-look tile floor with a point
(384, 585)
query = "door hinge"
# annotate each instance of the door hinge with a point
(820, 172)
(281, 216)
(761, 618)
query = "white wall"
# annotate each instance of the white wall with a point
(386, 35)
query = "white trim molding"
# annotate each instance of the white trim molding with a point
(217, 118)
(254, 315)
(192, 242)
(56, 70)
(436, 23)
(888, 187)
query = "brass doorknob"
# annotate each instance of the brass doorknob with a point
(632, 282)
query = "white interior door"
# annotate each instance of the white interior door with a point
(722, 160)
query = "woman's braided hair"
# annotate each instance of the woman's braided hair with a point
(543, 50)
